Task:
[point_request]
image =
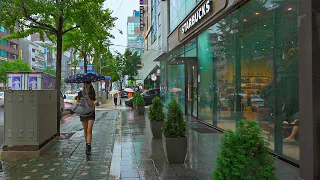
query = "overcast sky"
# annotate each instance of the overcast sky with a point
(121, 9)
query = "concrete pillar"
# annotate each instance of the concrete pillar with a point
(309, 84)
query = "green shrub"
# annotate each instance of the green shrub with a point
(139, 100)
(134, 97)
(156, 112)
(244, 155)
(175, 125)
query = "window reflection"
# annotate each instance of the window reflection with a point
(248, 65)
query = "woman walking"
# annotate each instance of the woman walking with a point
(88, 119)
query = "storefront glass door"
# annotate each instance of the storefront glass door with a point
(191, 69)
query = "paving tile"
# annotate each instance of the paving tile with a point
(123, 149)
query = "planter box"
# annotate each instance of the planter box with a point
(156, 128)
(140, 110)
(175, 149)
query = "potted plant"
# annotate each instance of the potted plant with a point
(156, 116)
(134, 98)
(140, 104)
(244, 155)
(174, 134)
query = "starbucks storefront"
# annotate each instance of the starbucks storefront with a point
(238, 60)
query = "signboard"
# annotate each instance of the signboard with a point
(15, 81)
(141, 18)
(90, 68)
(206, 10)
(34, 81)
(108, 78)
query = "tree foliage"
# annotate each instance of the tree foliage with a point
(244, 155)
(11, 66)
(109, 67)
(56, 19)
(50, 71)
(175, 125)
(132, 62)
(156, 112)
(127, 64)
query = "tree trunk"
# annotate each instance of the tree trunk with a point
(58, 72)
(85, 66)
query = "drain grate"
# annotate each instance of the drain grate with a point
(204, 130)
(66, 136)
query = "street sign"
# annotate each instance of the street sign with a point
(108, 78)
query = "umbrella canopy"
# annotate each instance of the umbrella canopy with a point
(114, 92)
(81, 78)
(173, 90)
(129, 90)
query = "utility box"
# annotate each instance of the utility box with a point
(30, 80)
(30, 119)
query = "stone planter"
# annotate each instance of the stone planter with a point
(175, 149)
(140, 110)
(156, 128)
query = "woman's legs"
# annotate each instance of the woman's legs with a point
(85, 129)
(115, 100)
(89, 131)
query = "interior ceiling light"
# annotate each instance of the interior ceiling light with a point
(257, 13)
(289, 9)
(245, 20)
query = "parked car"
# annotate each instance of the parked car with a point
(1, 99)
(147, 96)
(70, 102)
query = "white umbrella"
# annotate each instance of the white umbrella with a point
(114, 92)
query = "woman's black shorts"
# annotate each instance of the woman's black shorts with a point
(87, 117)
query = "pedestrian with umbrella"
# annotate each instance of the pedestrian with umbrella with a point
(115, 96)
(86, 106)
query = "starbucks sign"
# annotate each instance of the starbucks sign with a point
(201, 12)
(200, 16)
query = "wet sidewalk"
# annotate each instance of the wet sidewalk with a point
(123, 148)
(66, 158)
(138, 156)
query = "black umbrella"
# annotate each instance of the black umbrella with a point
(81, 78)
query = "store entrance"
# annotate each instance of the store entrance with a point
(183, 83)
(191, 87)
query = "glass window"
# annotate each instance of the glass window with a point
(179, 9)
(248, 65)
(4, 42)
(3, 29)
(3, 53)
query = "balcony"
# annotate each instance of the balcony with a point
(9, 49)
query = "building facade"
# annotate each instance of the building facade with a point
(249, 60)
(9, 49)
(34, 54)
(134, 36)
(154, 24)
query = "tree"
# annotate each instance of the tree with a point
(132, 63)
(55, 19)
(14, 66)
(50, 71)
